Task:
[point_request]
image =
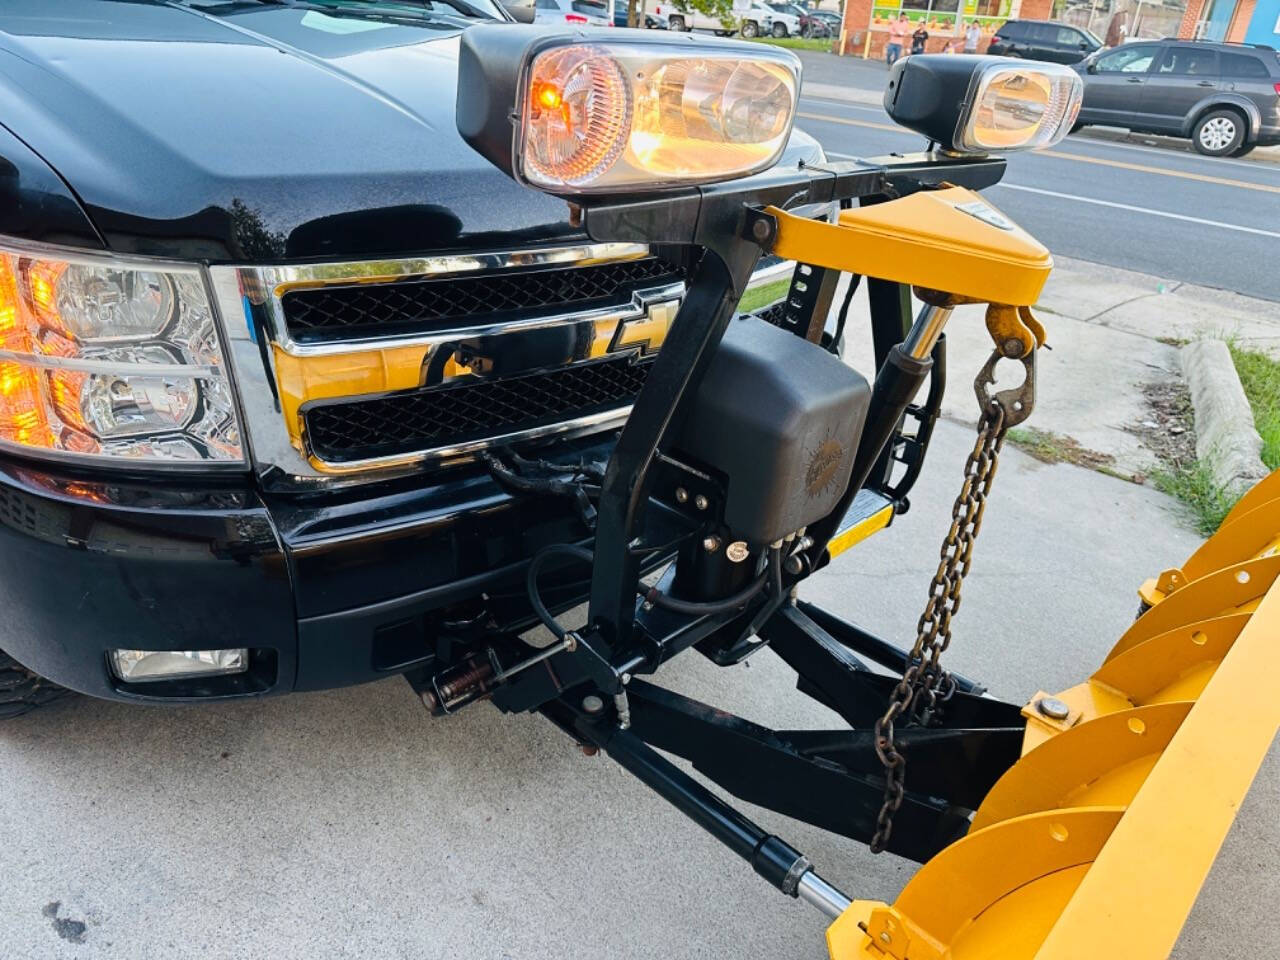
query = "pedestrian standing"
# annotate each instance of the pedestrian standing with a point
(971, 37)
(898, 31)
(919, 39)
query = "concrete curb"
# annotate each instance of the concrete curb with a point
(1226, 438)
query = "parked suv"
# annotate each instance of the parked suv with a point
(1043, 40)
(1225, 97)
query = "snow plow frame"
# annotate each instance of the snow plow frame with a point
(1044, 829)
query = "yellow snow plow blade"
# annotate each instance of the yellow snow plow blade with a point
(1097, 841)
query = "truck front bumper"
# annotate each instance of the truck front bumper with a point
(324, 591)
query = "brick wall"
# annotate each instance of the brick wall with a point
(1187, 29)
(1240, 21)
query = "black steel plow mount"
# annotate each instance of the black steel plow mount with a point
(588, 684)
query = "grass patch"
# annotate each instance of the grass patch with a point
(762, 296)
(1194, 485)
(1049, 447)
(797, 43)
(1260, 377)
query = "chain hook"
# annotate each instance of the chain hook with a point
(1015, 403)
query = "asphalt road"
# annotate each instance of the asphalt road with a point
(1174, 214)
(349, 823)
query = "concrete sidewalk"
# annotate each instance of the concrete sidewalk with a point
(1112, 331)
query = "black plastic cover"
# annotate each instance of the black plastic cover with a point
(928, 93)
(780, 418)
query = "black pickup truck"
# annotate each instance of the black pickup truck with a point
(262, 314)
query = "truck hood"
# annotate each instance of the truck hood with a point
(245, 132)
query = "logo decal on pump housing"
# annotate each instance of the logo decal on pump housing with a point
(824, 463)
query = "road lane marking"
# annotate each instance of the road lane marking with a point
(1085, 139)
(1147, 210)
(857, 123)
(1258, 167)
(1161, 171)
(1078, 157)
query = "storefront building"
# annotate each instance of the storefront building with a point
(1235, 21)
(866, 22)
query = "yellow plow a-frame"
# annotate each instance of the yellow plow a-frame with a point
(1097, 841)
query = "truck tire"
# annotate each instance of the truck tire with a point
(1218, 133)
(677, 24)
(750, 29)
(22, 691)
(779, 30)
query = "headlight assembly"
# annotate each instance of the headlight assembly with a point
(623, 117)
(111, 361)
(970, 104)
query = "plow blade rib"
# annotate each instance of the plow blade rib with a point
(1098, 839)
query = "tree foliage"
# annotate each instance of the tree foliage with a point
(721, 10)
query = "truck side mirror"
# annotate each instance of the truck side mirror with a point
(1091, 68)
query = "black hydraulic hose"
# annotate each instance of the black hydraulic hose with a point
(548, 485)
(705, 607)
(591, 470)
(531, 580)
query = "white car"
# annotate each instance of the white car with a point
(786, 19)
(756, 21)
(686, 18)
(585, 13)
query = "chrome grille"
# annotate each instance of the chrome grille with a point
(470, 411)
(429, 304)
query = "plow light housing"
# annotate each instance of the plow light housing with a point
(570, 114)
(980, 105)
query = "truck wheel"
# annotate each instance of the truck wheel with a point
(779, 30)
(1218, 133)
(21, 690)
(750, 29)
(676, 24)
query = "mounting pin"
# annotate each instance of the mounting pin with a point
(1053, 708)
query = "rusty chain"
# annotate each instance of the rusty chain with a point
(925, 683)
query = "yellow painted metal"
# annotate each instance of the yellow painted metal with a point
(1227, 590)
(860, 531)
(1144, 882)
(949, 909)
(1144, 773)
(1250, 530)
(926, 239)
(1100, 763)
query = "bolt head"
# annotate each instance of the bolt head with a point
(737, 551)
(592, 704)
(682, 495)
(711, 544)
(1012, 347)
(626, 678)
(760, 230)
(701, 502)
(1053, 708)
